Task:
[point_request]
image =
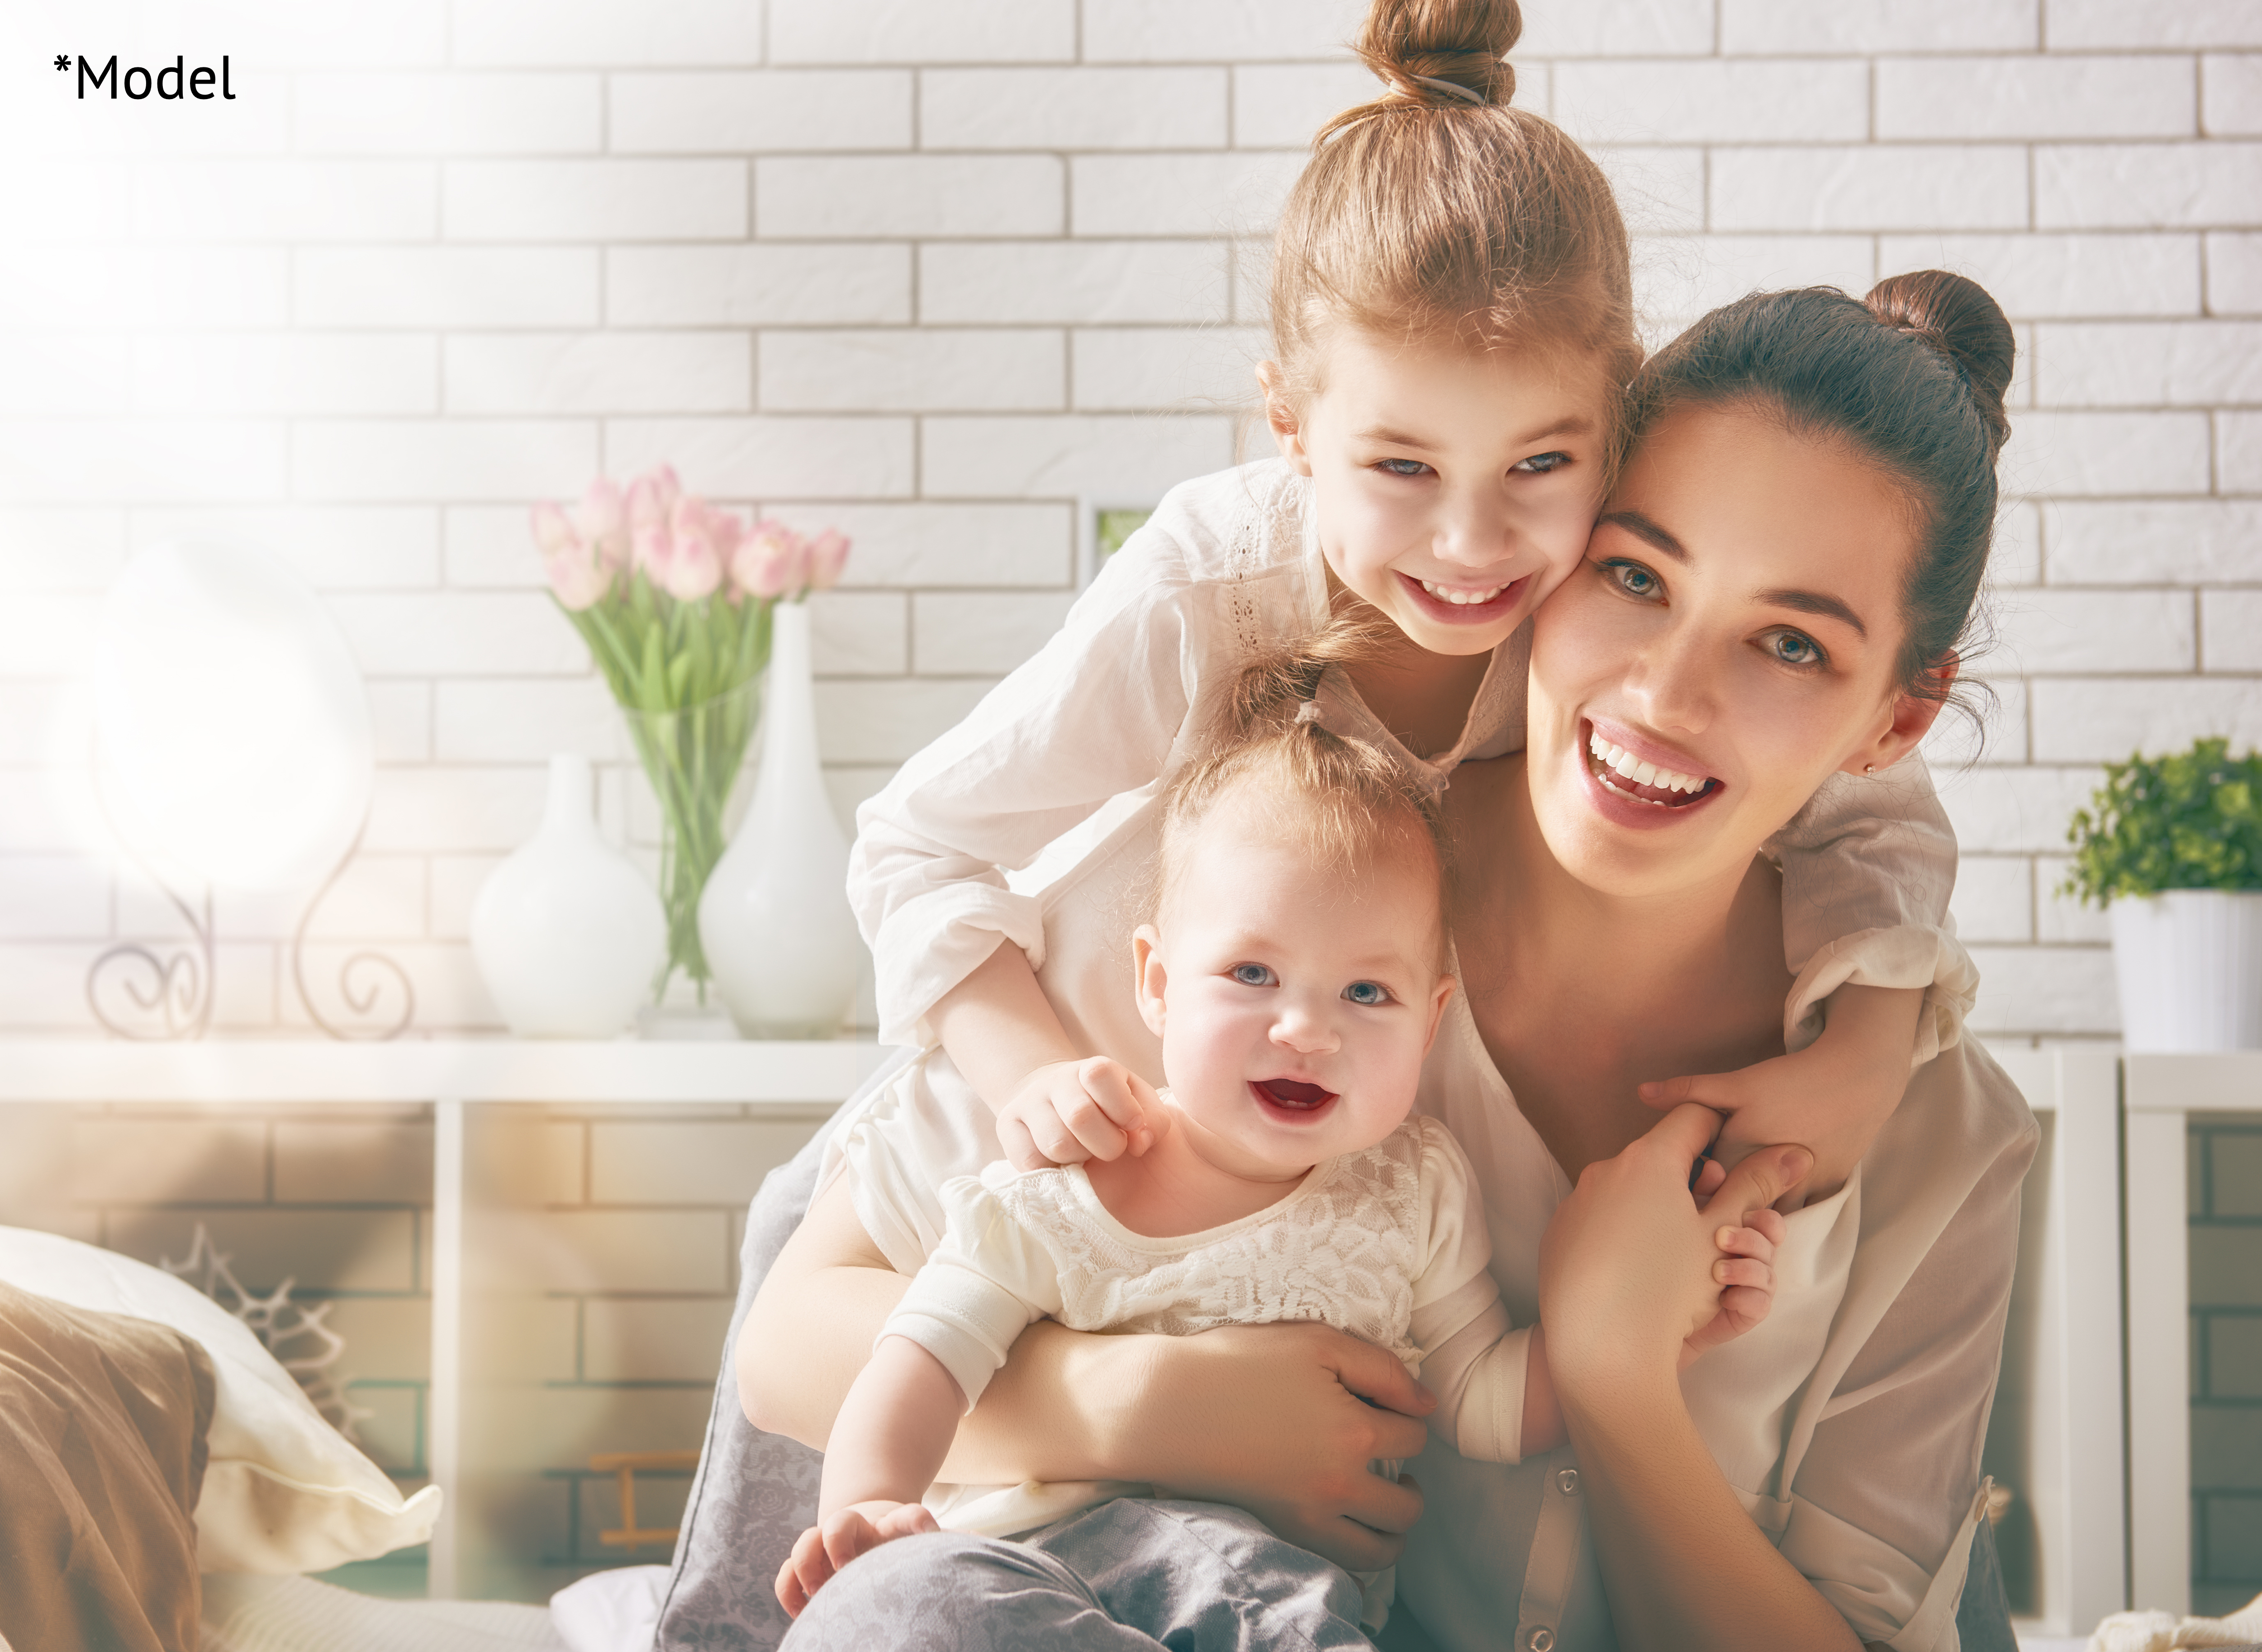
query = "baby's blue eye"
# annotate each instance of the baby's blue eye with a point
(1368, 992)
(1251, 974)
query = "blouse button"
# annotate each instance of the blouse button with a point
(1567, 1479)
(1543, 1639)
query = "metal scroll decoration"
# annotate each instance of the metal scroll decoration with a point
(363, 977)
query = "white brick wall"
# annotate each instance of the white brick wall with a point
(933, 270)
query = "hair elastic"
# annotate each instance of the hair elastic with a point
(1308, 711)
(1450, 89)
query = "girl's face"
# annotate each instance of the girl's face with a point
(1294, 1003)
(1732, 639)
(1454, 489)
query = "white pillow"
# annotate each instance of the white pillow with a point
(285, 1492)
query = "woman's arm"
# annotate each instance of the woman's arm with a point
(1283, 1420)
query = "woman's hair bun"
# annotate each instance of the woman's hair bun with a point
(1957, 318)
(1449, 43)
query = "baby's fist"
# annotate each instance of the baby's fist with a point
(1066, 1112)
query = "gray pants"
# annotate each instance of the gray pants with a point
(1127, 1577)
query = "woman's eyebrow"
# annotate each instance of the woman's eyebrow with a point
(1645, 530)
(1817, 602)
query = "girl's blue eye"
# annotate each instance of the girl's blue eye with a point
(1251, 974)
(1795, 647)
(1541, 463)
(1401, 467)
(1368, 992)
(1633, 578)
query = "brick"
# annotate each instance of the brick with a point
(2235, 1363)
(491, 546)
(930, 545)
(377, 897)
(2226, 1269)
(168, 1161)
(1679, 277)
(847, 788)
(1715, 101)
(1193, 194)
(456, 880)
(922, 30)
(2076, 631)
(400, 719)
(1994, 899)
(522, 1337)
(690, 1161)
(414, 33)
(1933, 97)
(61, 374)
(913, 370)
(2016, 558)
(2043, 989)
(1876, 26)
(2233, 274)
(2234, 1539)
(459, 633)
(441, 458)
(518, 1162)
(983, 633)
(1028, 282)
(2238, 453)
(859, 633)
(320, 1250)
(387, 1338)
(43, 635)
(2145, 186)
(875, 723)
(2063, 916)
(2231, 628)
(2078, 25)
(390, 1434)
(1283, 105)
(836, 196)
(595, 200)
(766, 110)
(507, 720)
(593, 34)
(347, 1163)
(2015, 810)
(447, 286)
(1175, 29)
(359, 547)
(561, 1426)
(233, 200)
(2149, 363)
(653, 1340)
(137, 461)
(2236, 1190)
(1873, 187)
(298, 372)
(2152, 543)
(2072, 275)
(1139, 368)
(2231, 102)
(756, 286)
(1661, 190)
(2104, 719)
(760, 458)
(632, 1250)
(2059, 454)
(1993, 729)
(454, 809)
(457, 113)
(1072, 108)
(599, 373)
(1114, 457)
(198, 286)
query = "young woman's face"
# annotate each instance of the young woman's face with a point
(1454, 489)
(1732, 639)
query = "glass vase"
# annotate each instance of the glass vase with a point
(692, 756)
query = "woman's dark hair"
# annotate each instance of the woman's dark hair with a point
(1912, 376)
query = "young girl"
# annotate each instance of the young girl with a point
(1452, 311)
(1295, 971)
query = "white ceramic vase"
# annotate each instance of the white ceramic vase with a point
(2189, 963)
(567, 932)
(781, 942)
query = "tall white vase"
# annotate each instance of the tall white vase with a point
(2189, 962)
(567, 932)
(774, 920)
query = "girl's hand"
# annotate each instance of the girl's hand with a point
(826, 1548)
(1066, 1112)
(1626, 1268)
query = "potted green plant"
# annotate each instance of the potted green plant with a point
(2172, 846)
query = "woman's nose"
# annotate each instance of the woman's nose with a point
(1673, 681)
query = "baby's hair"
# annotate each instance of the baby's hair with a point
(1346, 803)
(1439, 211)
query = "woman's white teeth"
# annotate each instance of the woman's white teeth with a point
(1623, 762)
(1461, 598)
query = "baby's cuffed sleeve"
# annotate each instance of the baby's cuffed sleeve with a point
(987, 1283)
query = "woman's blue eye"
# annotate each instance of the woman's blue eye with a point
(1633, 578)
(1251, 974)
(1368, 992)
(1541, 463)
(1795, 647)
(1401, 467)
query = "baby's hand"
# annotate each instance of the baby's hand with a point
(839, 1538)
(1066, 1112)
(1745, 1274)
(1834, 1096)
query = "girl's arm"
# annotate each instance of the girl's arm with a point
(1282, 1420)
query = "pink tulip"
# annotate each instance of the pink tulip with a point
(602, 520)
(693, 568)
(552, 532)
(651, 501)
(828, 554)
(767, 561)
(576, 574)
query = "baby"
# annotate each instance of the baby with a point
(1295, 971)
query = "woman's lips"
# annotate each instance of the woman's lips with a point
(1668, 794)
(1465, 604)
(1290, 1098)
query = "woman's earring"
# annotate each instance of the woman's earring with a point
(1869, 768)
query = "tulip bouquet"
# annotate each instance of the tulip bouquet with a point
(673, 597)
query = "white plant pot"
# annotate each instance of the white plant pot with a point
(567, 932)
(781, 943)
(2190, 969)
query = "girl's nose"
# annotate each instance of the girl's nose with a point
(1473, 534)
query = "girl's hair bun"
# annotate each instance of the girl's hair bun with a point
(1449, 43)
(1957, 318)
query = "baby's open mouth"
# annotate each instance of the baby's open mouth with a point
(1628, 775)
(1300, 1098)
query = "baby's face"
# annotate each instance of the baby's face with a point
(1294, 1003)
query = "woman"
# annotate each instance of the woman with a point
(1772, 597)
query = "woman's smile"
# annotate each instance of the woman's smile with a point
(1625, 763)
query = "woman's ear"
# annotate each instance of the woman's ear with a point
(1287, 428)
(1913, 715)
(1150, 974)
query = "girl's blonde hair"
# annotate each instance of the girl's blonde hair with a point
(1439, 211)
